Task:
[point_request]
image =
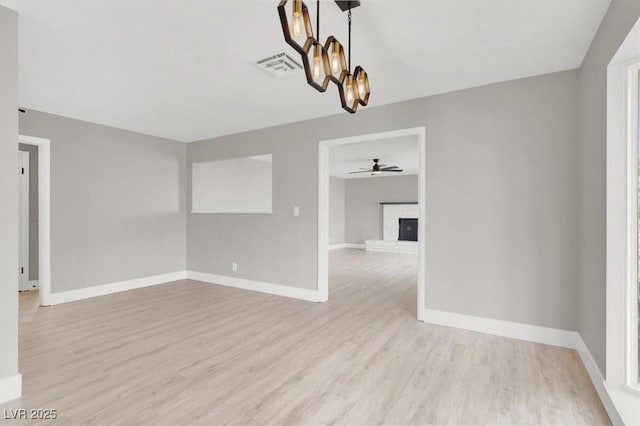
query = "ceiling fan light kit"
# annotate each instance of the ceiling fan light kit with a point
(328, 62)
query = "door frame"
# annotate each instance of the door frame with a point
(44, 214)
(24, 218)
(323, 207)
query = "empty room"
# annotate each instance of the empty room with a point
(293, 212)
(373, 225)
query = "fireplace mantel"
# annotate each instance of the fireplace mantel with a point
(397, 202)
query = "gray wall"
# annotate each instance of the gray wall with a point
(275, 248)
(502, 199)
(620, 17)
(117, 202)
(8, 193)
(33, 209)
(363, 209)
(336, 210)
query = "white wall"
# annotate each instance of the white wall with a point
(8, 203)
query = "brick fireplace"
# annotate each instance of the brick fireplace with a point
(397, 239)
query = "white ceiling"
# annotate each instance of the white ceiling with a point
(185, 69)
(401, 152)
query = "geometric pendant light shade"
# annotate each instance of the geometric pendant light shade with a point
(296, 25)
(362, 84)
(324, 63)
(337, 60)
(316, 67)
(348, 89)
(349, 97)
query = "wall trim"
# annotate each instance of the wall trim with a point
(514, 330)
(29, 285)
(531, 333)
(10, 388)
(347, 245)
(626, 401)
(621, 344)
(116, 287)
(44, 214)
(26, 286)
(24, 212)
(262, 287)
(598, 381)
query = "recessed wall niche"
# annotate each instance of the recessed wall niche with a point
(239, 185)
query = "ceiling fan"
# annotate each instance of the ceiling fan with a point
(376, 169)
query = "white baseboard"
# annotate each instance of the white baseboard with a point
(530, 333)
(626, 402)
(514, 330)
(276, 289)
(598, 382)
(29, 285)
(101, 290)
(395, 246)
(10, 388)
(347, 245)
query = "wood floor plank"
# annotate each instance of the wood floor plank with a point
(195, 353)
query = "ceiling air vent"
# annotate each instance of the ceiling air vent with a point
(280, 65)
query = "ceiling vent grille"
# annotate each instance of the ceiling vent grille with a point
(280, 65)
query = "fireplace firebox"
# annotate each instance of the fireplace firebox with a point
(408, 230)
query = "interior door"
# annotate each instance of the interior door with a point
(23, 227)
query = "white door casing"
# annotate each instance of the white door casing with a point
(23, 226)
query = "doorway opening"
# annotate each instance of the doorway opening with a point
(36, 262)
(27, 217)
(324, 172)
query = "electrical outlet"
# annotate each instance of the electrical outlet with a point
(234, 266)
(296, 211)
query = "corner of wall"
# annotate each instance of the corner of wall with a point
(9, 204)
(592, 96)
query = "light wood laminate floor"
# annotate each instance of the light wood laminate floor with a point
(195, 353)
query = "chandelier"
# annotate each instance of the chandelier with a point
(324, 63)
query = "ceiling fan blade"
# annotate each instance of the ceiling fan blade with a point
(363, 168)
(364, 171)
(389, 168)
(394, 170)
